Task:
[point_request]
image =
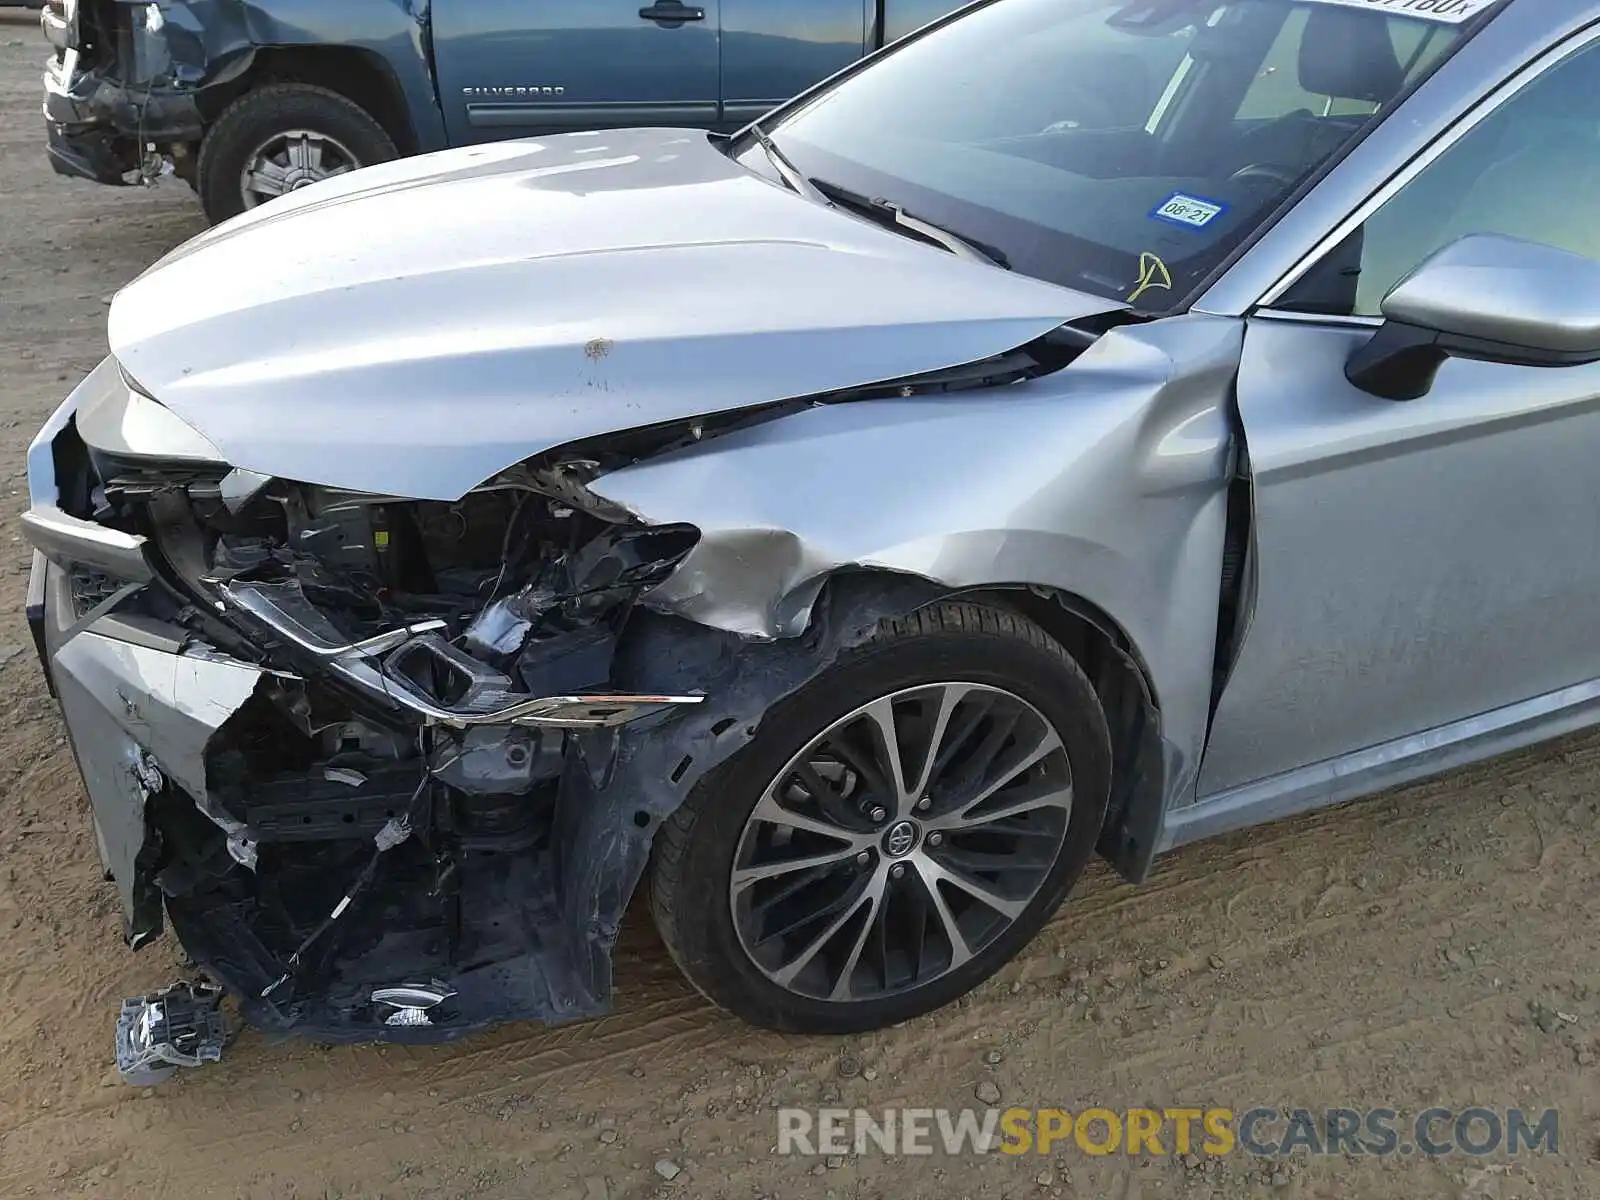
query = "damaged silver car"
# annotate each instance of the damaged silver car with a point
(846, 527)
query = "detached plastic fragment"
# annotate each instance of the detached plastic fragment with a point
(179, 1026)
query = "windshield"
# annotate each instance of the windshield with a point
(1124, 149)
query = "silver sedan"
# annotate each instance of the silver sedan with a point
(1082, 427)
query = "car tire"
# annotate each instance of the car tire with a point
(262, 124)
(905, 669)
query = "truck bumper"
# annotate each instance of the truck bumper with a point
(95, 125)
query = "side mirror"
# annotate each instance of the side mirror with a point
(1493, 298)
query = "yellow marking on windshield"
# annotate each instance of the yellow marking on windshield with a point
(1153, 273)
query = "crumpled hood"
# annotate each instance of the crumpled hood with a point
(416, 327)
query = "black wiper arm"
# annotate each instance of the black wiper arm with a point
(790, 173)
(889, 213)
(959, 246)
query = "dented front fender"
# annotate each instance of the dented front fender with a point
(1105, 480)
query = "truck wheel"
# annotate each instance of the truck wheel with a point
(897, 829)
(280, 138)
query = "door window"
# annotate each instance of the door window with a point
(1530, 170)
(900, 17)
(1280, 87)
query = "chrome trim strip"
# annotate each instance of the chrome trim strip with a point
(1296, 318)
(282, 623)
(354, 663)
(67, 540)
(1391, 764)
(556, 116)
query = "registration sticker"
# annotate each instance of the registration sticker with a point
(1450, 12)
(1191, 212)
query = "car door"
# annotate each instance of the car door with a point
(774, 49)
(1426, 570)
(509, 68)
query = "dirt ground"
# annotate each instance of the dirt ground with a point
(1432, 946)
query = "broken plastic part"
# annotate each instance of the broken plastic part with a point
(501, 762)
(179, 1026)
(283, 607)
(310, 631)
(499, 629)
(391, 835)
(239, 487)
(411, 1002)
(242, 850)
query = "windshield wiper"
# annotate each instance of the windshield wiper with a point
(886, 212)
(787, 170)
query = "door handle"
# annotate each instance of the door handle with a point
(669, 14)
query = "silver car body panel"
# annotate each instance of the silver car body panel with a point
(1418, 563)
(601, 283)
(1105, 480)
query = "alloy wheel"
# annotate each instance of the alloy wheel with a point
(289, 161)
(901, 841)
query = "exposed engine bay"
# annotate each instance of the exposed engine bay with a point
(381, 812)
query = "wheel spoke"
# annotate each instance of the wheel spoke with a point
(993, 744)
(304, 154)
(773, 813)
(808, 918)
(841, 988)
(792, 886)
(948, 701)
(268, 178)
(786, 975)
(933, 873)
(1054, 796)
(1049, 743)
(880, 714)
(916, 898)
(972, 862)
(929, 872)
(746, 876)
(973, 715)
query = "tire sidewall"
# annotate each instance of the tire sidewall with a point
(708, 944)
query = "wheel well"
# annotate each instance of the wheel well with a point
(1133, 715)
(357, 75)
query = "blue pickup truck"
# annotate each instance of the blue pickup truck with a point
(248, 99)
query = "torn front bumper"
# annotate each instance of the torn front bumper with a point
(139, 709)
(96, 121)
(96, 125)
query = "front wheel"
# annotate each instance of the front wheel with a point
(898, 829)
(281, 138)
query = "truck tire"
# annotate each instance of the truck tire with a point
(1001, 794)
(282, 137)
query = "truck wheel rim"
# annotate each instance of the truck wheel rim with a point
(289, 161)
(901, 842)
